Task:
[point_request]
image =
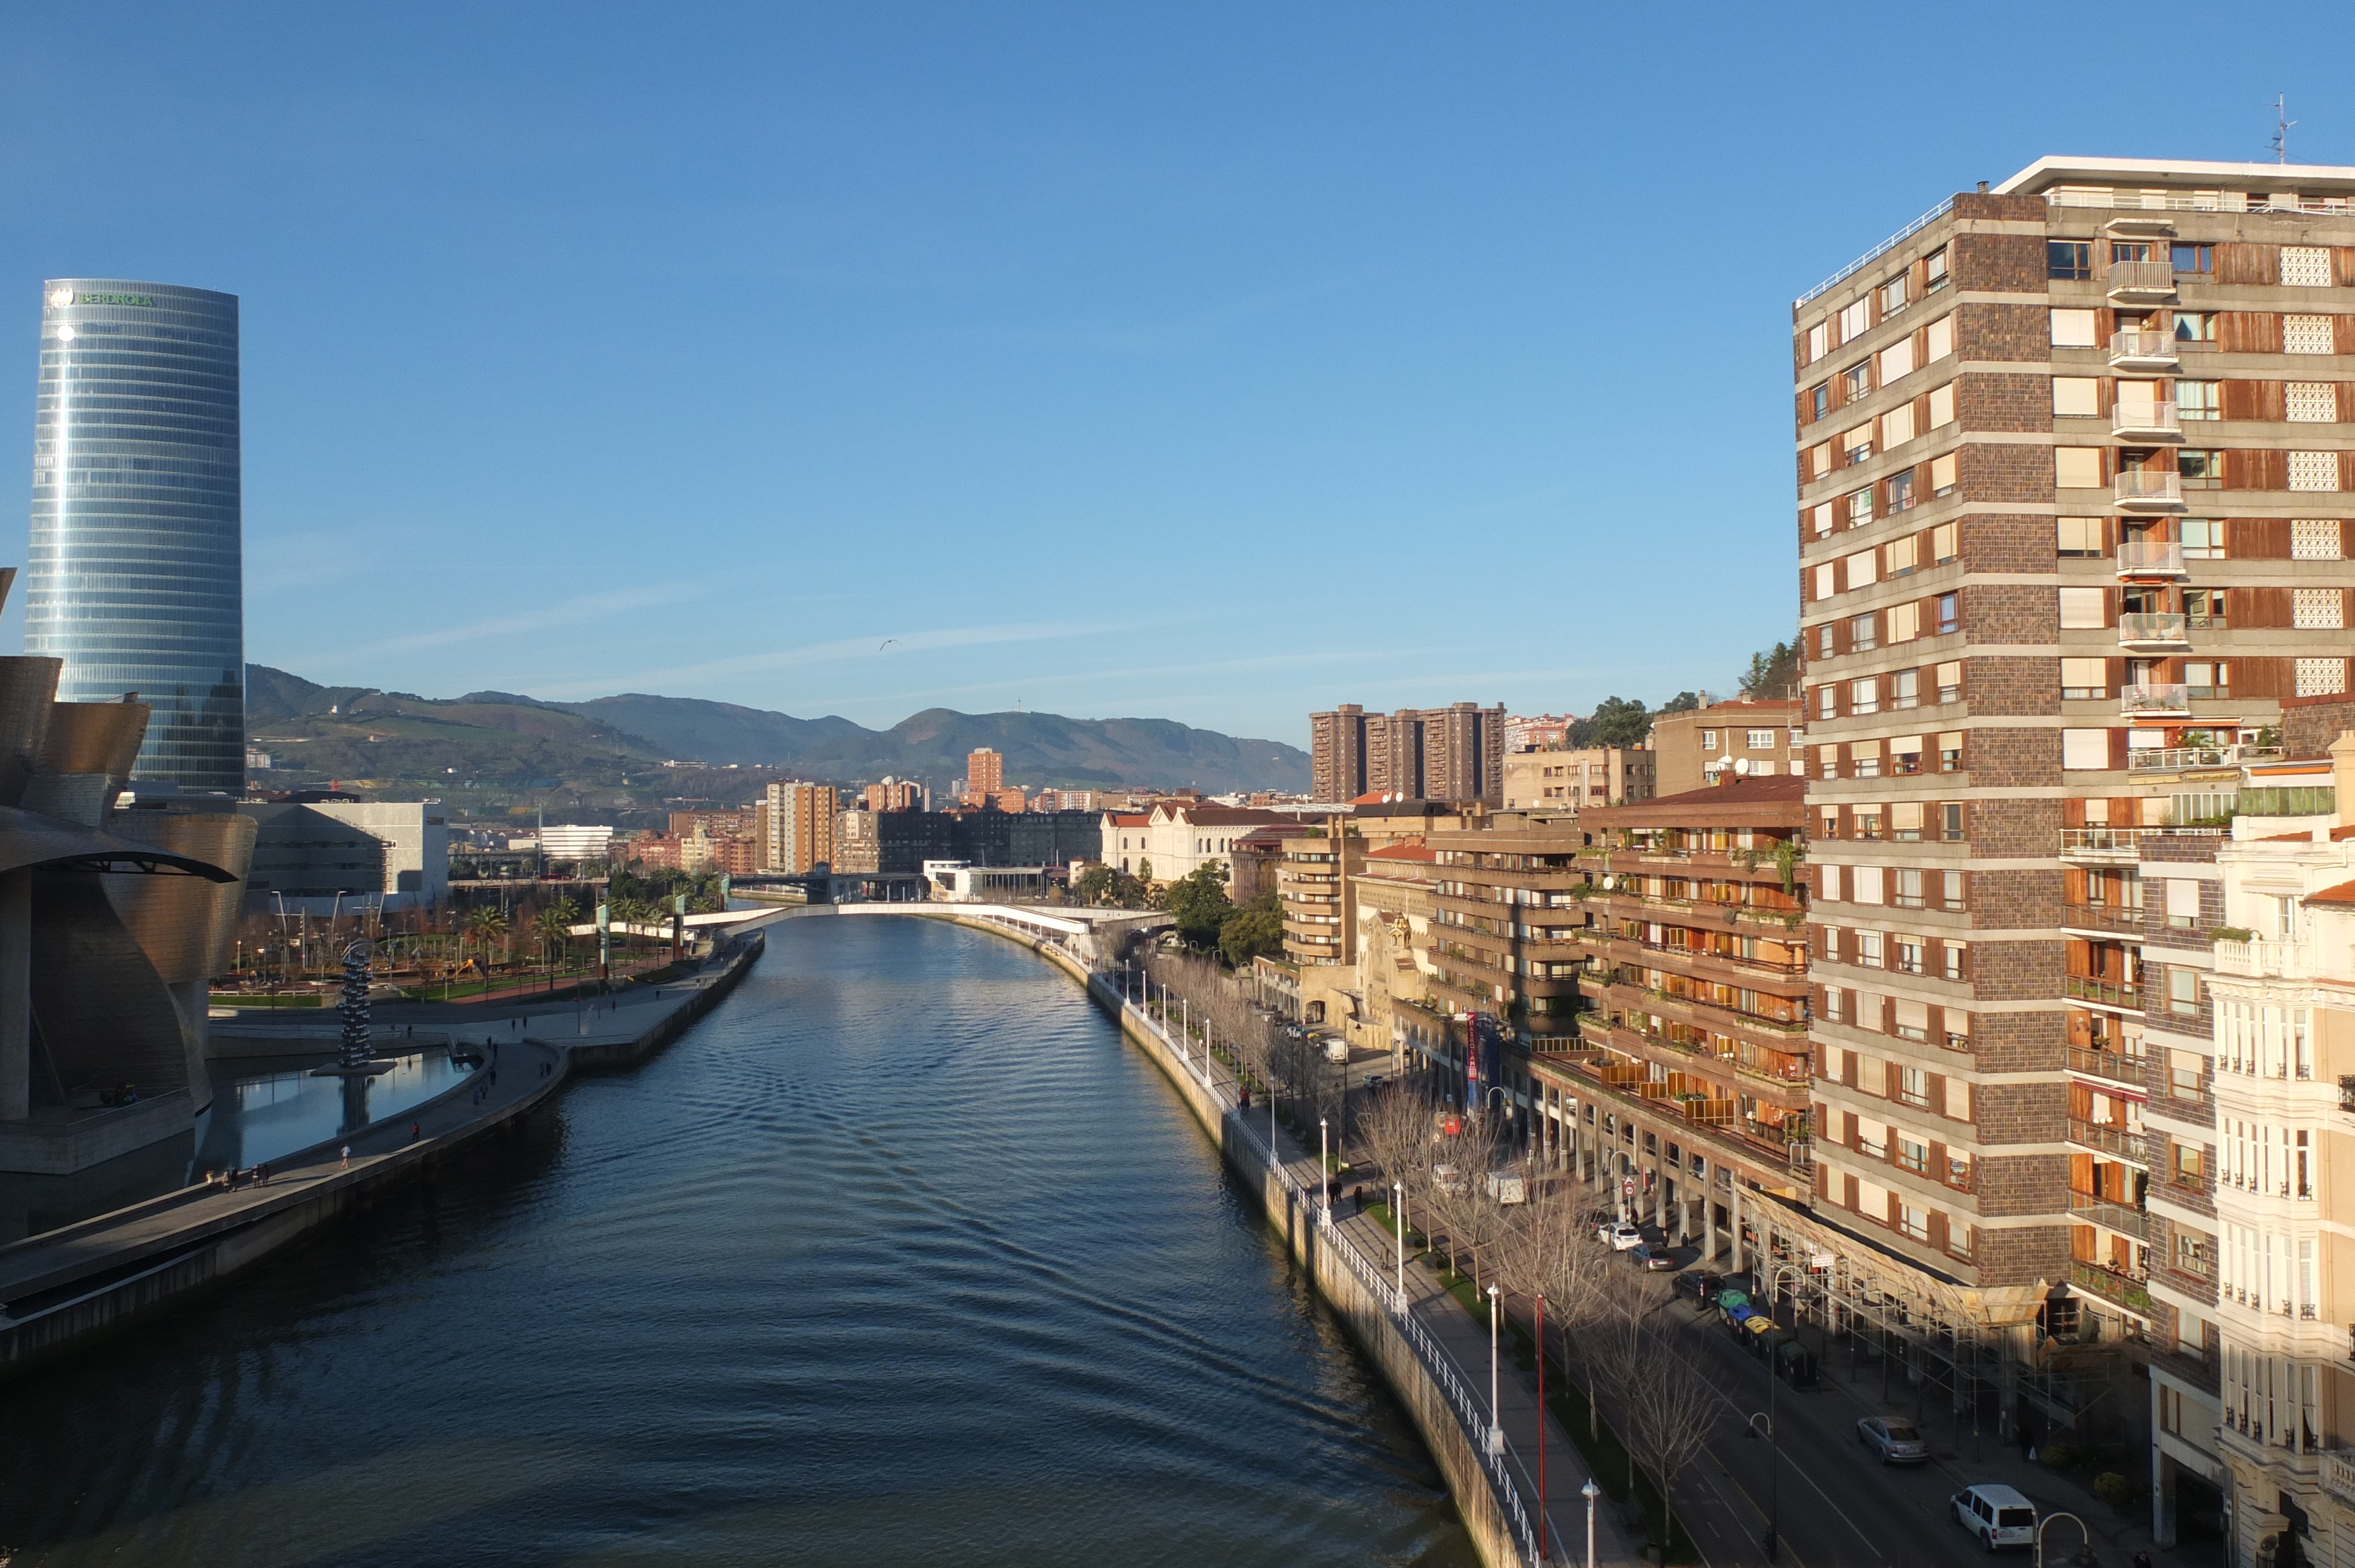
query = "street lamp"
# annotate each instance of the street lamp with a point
(1398, 1215)
(1323, 1172)
(1590, 1491)
(1774, 1469)
(1541, 1426)
(1496, 1427)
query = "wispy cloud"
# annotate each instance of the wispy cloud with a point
(868, 646)
(504, 623)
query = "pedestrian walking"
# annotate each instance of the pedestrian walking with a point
(347, 1157)
(261, 1175)
(414, 1129)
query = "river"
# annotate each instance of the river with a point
(900, 1255)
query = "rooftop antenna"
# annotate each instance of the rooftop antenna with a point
(2281, 123)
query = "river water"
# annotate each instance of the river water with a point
(900, 1255)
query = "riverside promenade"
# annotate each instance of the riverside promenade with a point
(63, 1286)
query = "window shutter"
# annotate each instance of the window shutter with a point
(2257, 538)
(2243, 263)
(2240, 398)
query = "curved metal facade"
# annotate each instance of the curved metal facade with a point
(136, 576)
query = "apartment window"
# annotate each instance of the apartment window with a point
(2197, 401)
(2084, 609)
(2077, 468)
(2192, 258)
(1901, 491)
(2081, 538)
(1866, 822)
(2073, 329)
(1906, 816)
(2310, 403)
(1956, 954)
(2306, 335)
(1950, 612)
(1759, 739)
(1934, 270)
(2076, 397)
(1856, 445)
(2209, 680)
(1824, 639)
(1950, 747)
(1868, 948)
(2190, 1171)
(1905, 687)
(1907, 889)
(1913, 1155)
(2203, 610)
(1819, 460)
(2313, 539)
(1832, 1004)
(2318, 610)
(1892, 296)
(1906, 954)
(2314, 471)
(2203, 538)
(1941, 414)
(2305, 266)
(1819, 400)
(1855, 321)
(1828, 757)
(1943, 546)
(1856, 382)
(1950, 891)
(1938, 340)
(1860, 507)
(2200, 469)
(1821, 520)
(1864, 757)
(2085, 680)
(2182, 991)
(1897, 427)
(1915, 1222)
(2071, 260)
(1863, 633)
(1904, 619)
(1896, 362)
(1818, 340)
(1828, 702)
(2195, 326)
(1830, 815)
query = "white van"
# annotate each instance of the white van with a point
(1337, 1050)
(1507, 1187)
(1998, 1515)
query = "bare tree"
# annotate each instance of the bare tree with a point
(1395, 1132)
(1666, 1406)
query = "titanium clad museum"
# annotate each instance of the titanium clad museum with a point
(134, 579)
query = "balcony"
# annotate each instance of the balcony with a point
(2142, 282)
(2146, 422)
(2149, 489)
(2118, 1289)
(2190, 758)
(2156, 699)
(2339, 1474)
(2151, 558)
(2141, 226)
(2147, 630)
(2088, 1210)
(2142, 351)
(2128, 1146)
(2102, 993)
(2261, 959)
(2102, 917)
(2114, 1065)
(2122, 846)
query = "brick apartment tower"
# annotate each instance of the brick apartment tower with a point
(984, 772)
(2072, 483)
(1456, 753)
(798, 821)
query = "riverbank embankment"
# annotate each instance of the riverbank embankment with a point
(67, 1285)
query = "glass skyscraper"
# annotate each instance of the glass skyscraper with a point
(136, 577)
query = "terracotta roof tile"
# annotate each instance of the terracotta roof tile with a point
(2342, 893)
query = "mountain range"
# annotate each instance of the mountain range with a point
(366, 733)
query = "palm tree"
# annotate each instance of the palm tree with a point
(488, 924)
(553, 926)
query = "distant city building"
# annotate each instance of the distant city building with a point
(136, 579)
(1451, 754)
(800, 835)
(1561, 783)
(575, 841)
(955, 882)
(1175, 837)
(872, 843)
(316, 856)
(1068, 800)
(1738, 739)
(256, 761)
(896, 795)
(984, 771)
(1541, 731)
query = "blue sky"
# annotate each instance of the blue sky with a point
(1216, 362)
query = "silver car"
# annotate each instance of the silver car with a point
(1896, 1440)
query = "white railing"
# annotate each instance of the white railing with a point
(2141, 278)
(2144, 487)
(2154, 697)
(2152, 626)
(2144, 419)
(2150, 557)
(2263, 960)
(2149, 348)
(1876, 253)
(1379, 1286)
(2125, 841)
(2175, 758)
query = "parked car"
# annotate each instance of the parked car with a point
(1375, 1080)
(1998, 1515)
(1620, 1234)
(1656, 1259)
(1701, 1284)
(1898, 1442)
